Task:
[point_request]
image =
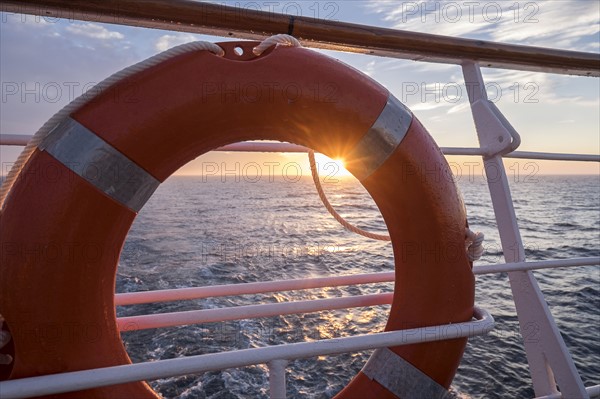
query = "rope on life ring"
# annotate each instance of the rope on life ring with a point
(5, 359)
(473, 240)
(108, 154)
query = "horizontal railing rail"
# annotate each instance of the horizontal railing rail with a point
(161, 320)
(254, 146)
(15, 139)
(593, 391)
(262, 287)
(227, 21)
(79, 380)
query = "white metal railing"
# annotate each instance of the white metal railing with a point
(181, 294)
(257, 146)
(550, 362)
(276, 356)
(593, 391)
(15, 139)
(148, 321)
(65, 382)
(159, 320)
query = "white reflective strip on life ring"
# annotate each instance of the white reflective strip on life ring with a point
(402, 378)
(99, 163)
(381, 140)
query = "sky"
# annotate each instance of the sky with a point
(45, 63)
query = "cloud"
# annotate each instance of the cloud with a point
(568, 24)
(94, 31)
(51, 65)
(522, 86)
(427, 106)
(459, 108)
(369, 69)
(171, 40)
(32, 21)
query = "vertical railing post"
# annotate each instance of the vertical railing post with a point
(546, 351)
(277, 384)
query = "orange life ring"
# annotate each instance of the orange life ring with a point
(65, 220)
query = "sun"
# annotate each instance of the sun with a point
(331, 168)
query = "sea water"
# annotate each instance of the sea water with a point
(198, 231)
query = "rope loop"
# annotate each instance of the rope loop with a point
(474, 244)
(473, 241)
(283, 39)
(208, 46)
(4, 340)
(337, 216)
